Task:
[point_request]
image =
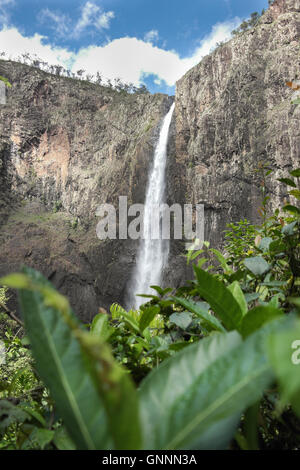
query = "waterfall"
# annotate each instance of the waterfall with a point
(152, 254)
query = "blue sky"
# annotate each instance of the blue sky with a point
(150, 41)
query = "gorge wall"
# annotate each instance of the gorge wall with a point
(234, 111)
(66, 146)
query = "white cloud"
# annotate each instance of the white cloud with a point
(131, 58)
(151, 36)
(103, 21)
(88, 11)
(15, 44)
(60, 21)
(127, 58)
(92, 15)
(4, 13)
(157, 81)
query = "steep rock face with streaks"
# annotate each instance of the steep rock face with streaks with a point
(66, 147)
(233, 112)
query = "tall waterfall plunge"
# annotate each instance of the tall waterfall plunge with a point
(153, 254)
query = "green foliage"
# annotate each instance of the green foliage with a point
(201, 310)
(118, 87)
(257, 265)
(248, 24)
(57, 206)
(7, 83)
(27, 413)
(281, 345)
(220, 299)
(240, 241)
(3, 296)
(212, 364)
(257, 317)
(220, 377)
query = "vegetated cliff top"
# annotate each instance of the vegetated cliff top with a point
(283, 10)
(18, 71)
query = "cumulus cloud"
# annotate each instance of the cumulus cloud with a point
(131, 58)
(127, 58)
(92, 16)
(15, 44)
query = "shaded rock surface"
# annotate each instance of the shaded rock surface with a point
(233, 112)
(67, 146)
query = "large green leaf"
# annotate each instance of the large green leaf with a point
(164, 387)
(65, 369)
(222, 260)
(287, 230)
(40, 437)
(291, 209)
(295, 193)
(239, 296)
(288, 181)
(219, 298)
(62, 440)
(194, 399)
(148, 315)
(119, 396)
(130, 321)
(284, 352)
(195, 307)
(100, 327)
(295, 173)
(257, 317)
(162, 291)
(182, 319)
(265, 244)
(250, 297)
(257, 265)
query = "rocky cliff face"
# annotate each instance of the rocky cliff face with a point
(233, 111)
(67, 146)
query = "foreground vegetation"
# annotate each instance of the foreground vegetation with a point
(215, 364)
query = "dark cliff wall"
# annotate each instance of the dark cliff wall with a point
(233, 110)
(66, 147)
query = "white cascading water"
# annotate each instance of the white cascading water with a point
(153, 254)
